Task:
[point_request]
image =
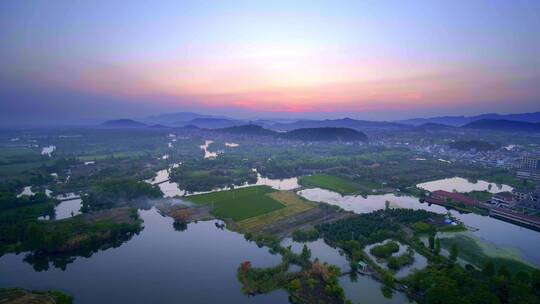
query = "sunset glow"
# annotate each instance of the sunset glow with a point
(358, 57)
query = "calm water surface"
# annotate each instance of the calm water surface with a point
(361, 290)
(160, 265)
(463, 185)
(488, 229)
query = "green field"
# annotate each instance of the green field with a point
(477, 253)
(239, 204)
(293, 205)
(329, 182)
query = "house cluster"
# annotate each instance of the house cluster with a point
(529, 169)
(517, 199)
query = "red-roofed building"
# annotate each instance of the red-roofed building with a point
(452, 196)
(503, 199)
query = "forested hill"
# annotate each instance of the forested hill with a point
(325, 134)
(250, 129)
(503, 125)
(122, 123)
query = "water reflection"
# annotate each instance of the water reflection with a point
(488, 229)
(321, 250)
(161, 265)
(419, 260)
(208, 154)
(67, 209)
(48, 150)
(463, 185)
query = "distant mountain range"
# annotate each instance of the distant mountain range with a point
(175, 118)
(508, 122)
(324, 134)
(211, 123)
(503, 125)
(463, 120)
(304, 134)
(249, 129)
(338, 123)
(123, 123)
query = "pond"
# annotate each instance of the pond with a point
(322, 251)
(68, 209)
(419, 260)
(278, 184)
(491, 230)
(208, 154)
(26, 191)
(160, 265)
(48, 150)
(169, 189)
(361, 289)
(463, 185)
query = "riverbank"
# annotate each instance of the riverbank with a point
(23, 296)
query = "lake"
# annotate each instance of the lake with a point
(491, 230)
(160, 265)
(171, 189)
(363, 289)
(463, 185)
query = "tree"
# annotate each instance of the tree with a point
(437, 246)
(523, 277)
(432, 242)
(386, 205)
(504, 272)
(306, 253)
(489, 269)
(454, 251)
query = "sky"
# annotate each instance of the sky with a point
(69, 60)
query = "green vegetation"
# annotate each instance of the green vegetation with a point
(239, 204)
(82, 232)
(20, 230)
(386, 250)
(422, 227)
(293, 205)
(397, 262)
(204, 180)
(373, 227)
(17, 215)
(329, 182)
(480, 196)
(472, 252)
(118, 192)
(19, 295)
(316, 283)
(453, 284)
(305, 235)
(325, 134)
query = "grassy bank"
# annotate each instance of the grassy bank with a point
(329, 182)
(239, 204)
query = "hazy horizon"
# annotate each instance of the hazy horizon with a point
(72, 62)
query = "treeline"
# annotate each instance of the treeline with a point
(205, 175)
(10, 200)
(22, 230)
(372, 227)
(118, 192)
(17, 213)
(441, 284)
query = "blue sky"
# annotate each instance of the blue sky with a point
(375, 59)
